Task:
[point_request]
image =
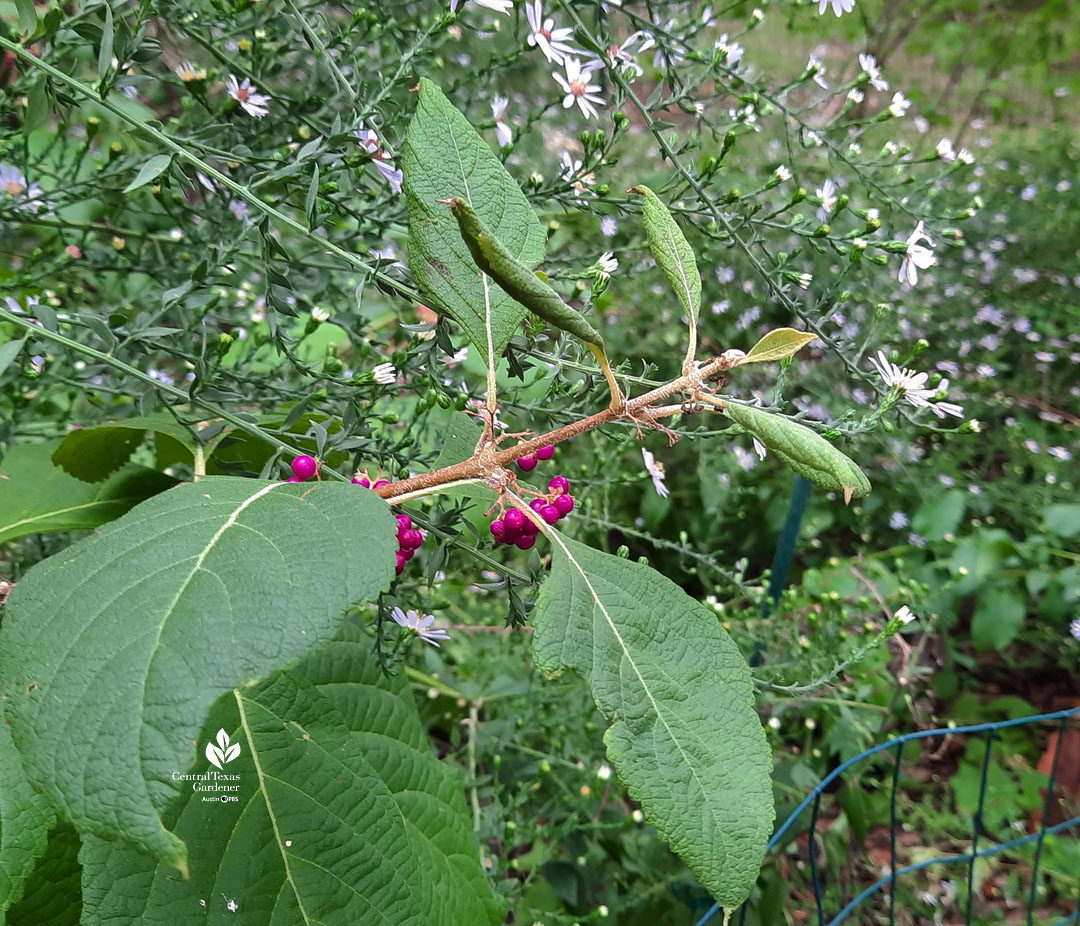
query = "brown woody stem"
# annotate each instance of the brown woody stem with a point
(488, 462)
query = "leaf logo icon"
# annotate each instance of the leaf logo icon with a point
(222, 752)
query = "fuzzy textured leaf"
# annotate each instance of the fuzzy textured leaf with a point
(516, 279)
(443, 157)
(36, 496)
(672, 251)
(344, 814)
(684, 737)
(53, 894)
(802, 450)
(778, 345)
(114, 649)
(25, 819)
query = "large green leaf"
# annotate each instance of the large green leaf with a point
(443, 157)
(684, 737)
(53, 895)
(344, 815)
(91, 454)
(36, 496)
(24, 823)
(113, 650)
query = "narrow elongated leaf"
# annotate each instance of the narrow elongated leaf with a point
(36, 496)
(114, 649)
(27, 15)
(802, 450)
(25, 820)
(684, 736)
(343, 815)
(778, 344)
(515, 278)
(672, 251)
(443, 157)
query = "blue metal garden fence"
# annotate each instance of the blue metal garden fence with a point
(885, 887)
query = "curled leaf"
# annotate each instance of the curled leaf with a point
(777, 345)
(515, 278)
(803, 451)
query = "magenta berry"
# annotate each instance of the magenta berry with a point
(546, 453)
(525, 541)
(498, 530)
(380, 484)
(294, 479)
(514, 519)
(404, 522)
(537, 503)
(304, 467)
(414, 540)
(564, 503)
(550, 513)
(407, 554)
(527, 463)
(399, 568)
(559, 484)
(530, 528)
(362, 481)
(403, 536)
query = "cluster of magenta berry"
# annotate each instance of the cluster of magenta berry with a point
(409, 540)
(515, 528)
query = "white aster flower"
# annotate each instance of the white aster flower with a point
(904, 615)
(656, 470)
(604, 772)
(609, 227)
(869, 64)
(964, 156)
(732, 51)
(253, 103)
(369, 141)
(622, 56)
(817, 70)
(1074, 628)
(498, 6)
(900, 104)
(385, 374)
(554, 43)
(607, 265)
(827, 194)
(578, 89)
(782, 174)
(502, 130)
(912, 386)
(188, 72)
(839, 7)
(917, 257)
(946, 151)
(421, 626)
(856, 95)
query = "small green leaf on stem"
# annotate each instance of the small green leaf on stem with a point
(778, 345)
